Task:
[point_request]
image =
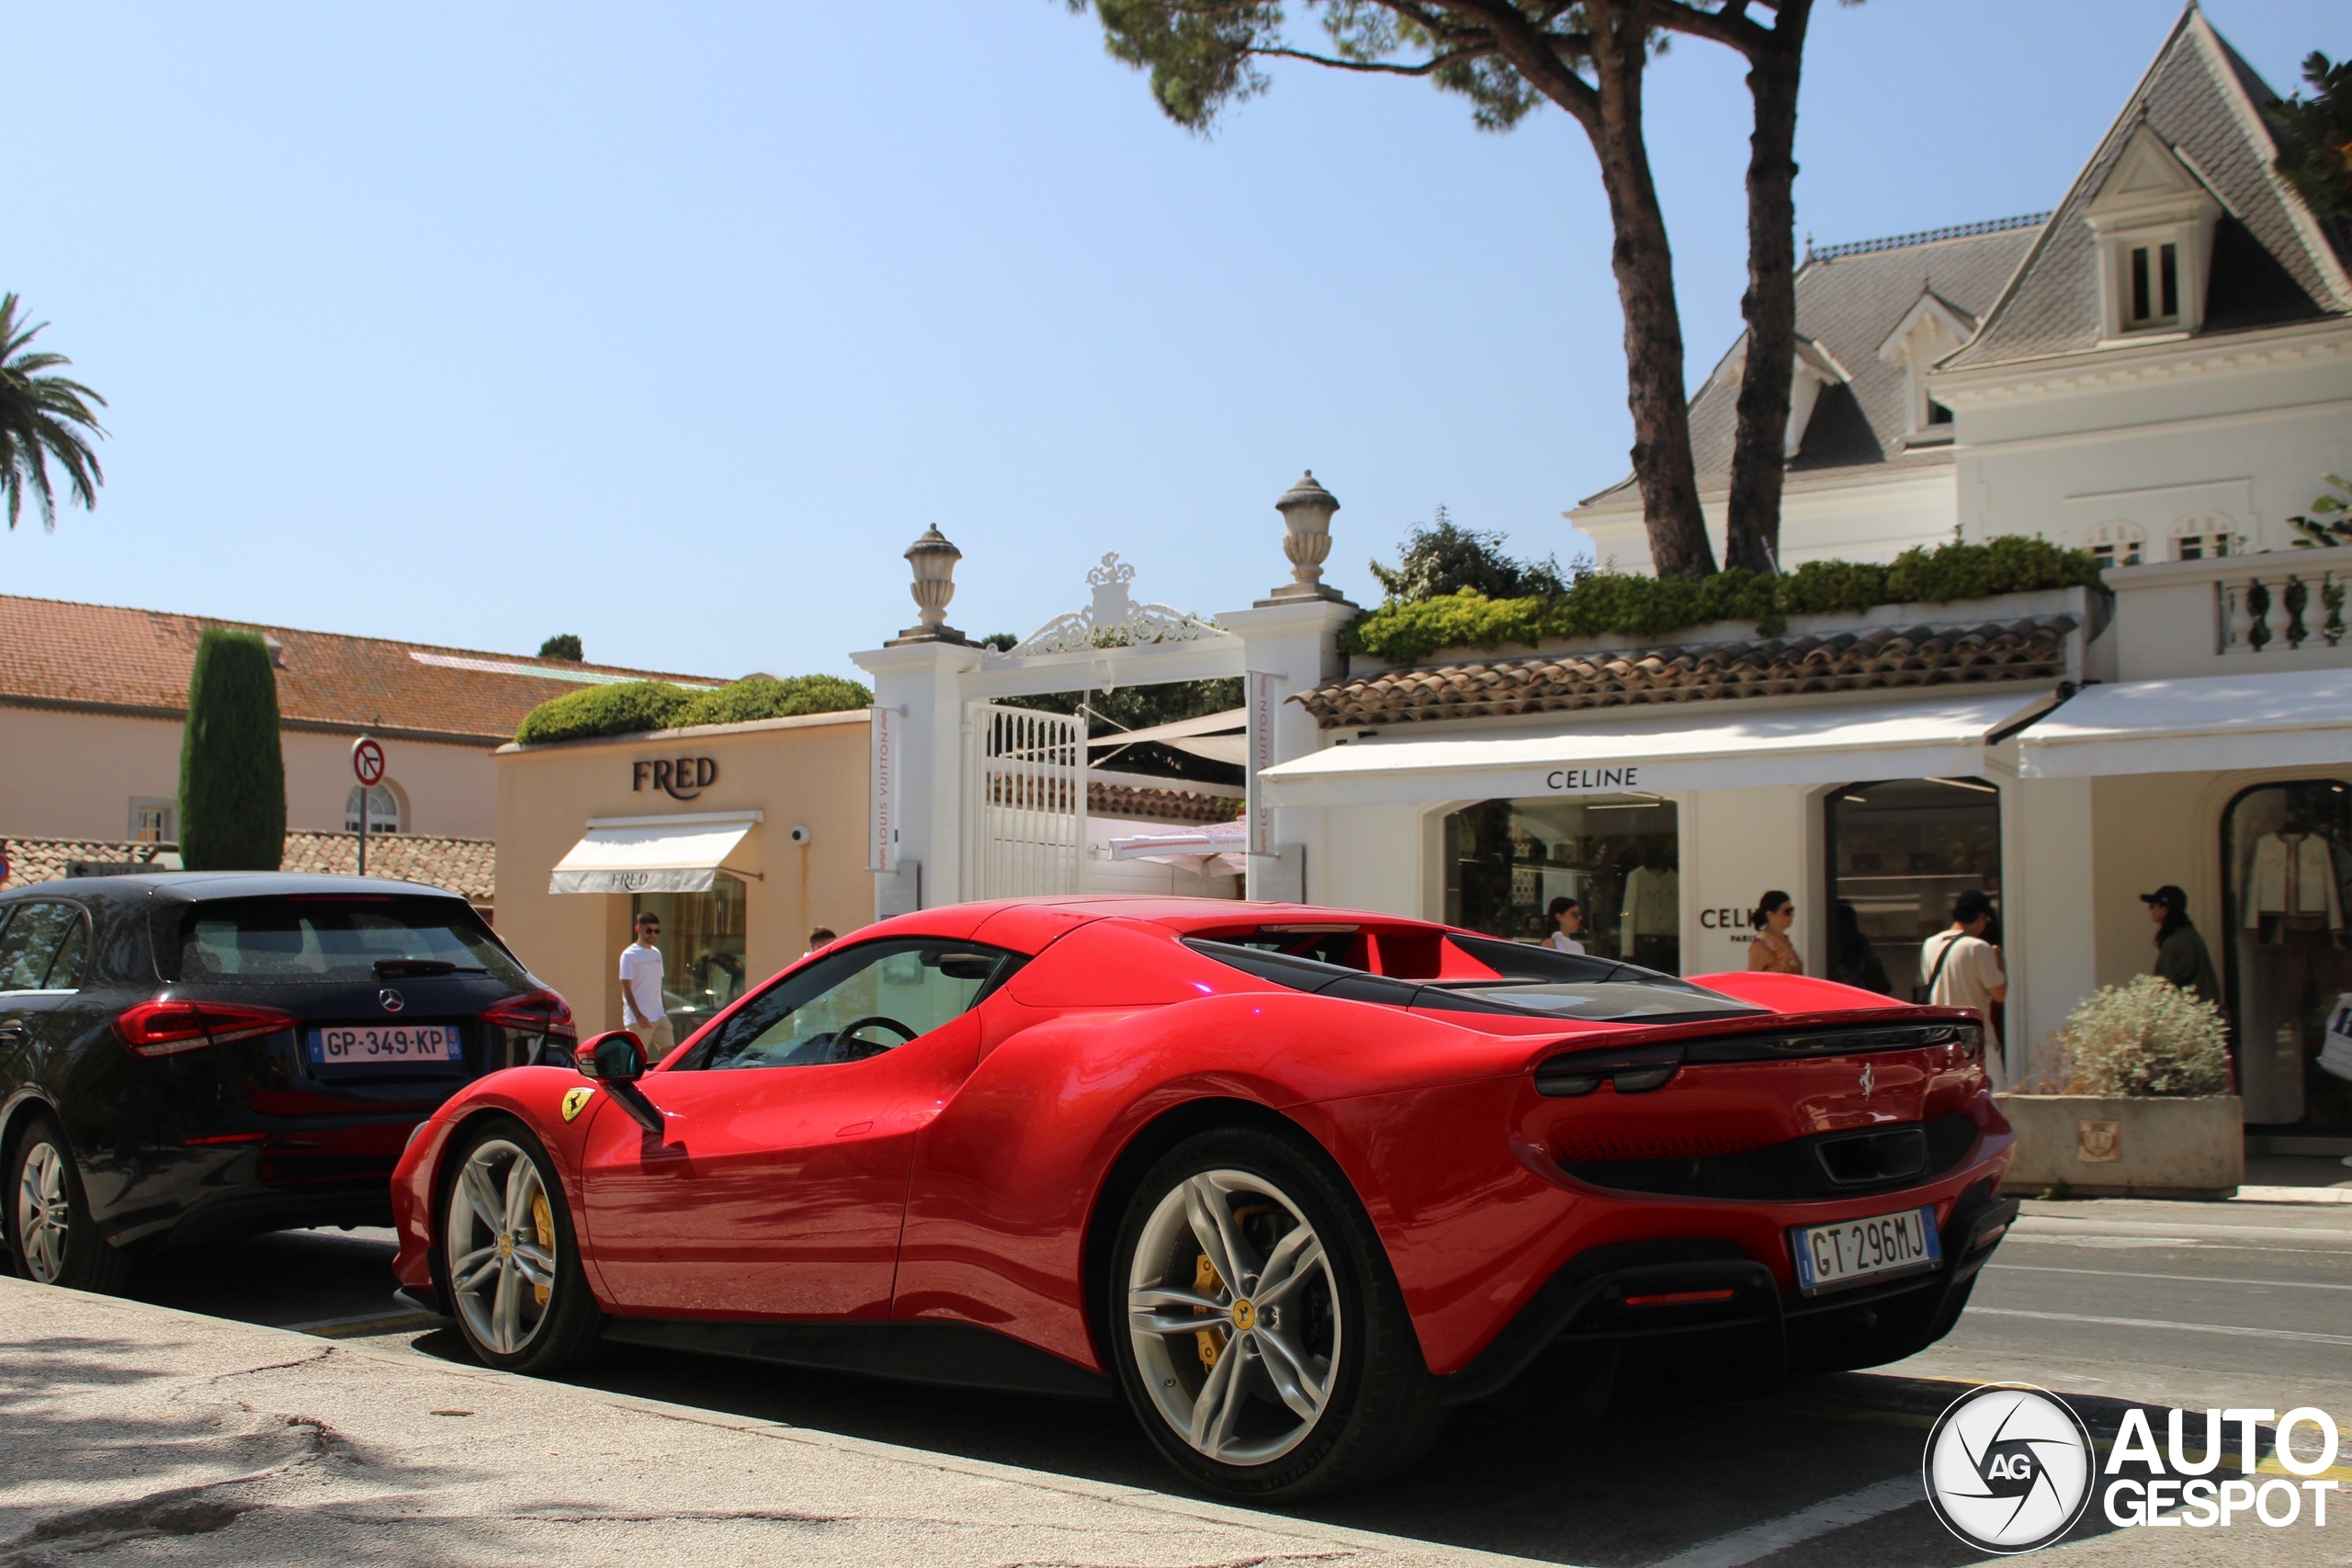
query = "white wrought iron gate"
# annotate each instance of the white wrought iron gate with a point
(1025, 801)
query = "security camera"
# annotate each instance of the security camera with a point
(801, 835)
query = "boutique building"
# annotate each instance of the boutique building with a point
(2157, 371)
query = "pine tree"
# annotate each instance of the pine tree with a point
(233, 774)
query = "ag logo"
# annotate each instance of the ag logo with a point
(2008, 1468)
(575, 1100)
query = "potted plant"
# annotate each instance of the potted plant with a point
(2134, 1100)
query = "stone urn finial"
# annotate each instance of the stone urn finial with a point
(1306, 509)
(933, 559)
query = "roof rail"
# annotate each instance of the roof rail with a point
(1897, 242)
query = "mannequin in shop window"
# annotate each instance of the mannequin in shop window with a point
(1771, 951)
(2290, 882)
(1650, 922)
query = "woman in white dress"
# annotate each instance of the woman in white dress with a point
(1566, 918)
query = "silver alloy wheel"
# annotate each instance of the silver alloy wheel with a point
(1234, 1316)
(43, 1216)
(501, 1242)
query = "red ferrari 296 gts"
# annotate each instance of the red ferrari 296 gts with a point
(1291, 1181)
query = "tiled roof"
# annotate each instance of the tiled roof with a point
(1148, 805)
(464, 866)
(56, 651)
(2271, 263)
(1883, 658)
(1848, 299)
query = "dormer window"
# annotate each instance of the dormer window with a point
(2155, 287)
(1931, 331)
(2153, 216)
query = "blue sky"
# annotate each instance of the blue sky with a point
(673, 326)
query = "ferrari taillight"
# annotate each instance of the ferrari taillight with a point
(539, 1012)
(167, 1028)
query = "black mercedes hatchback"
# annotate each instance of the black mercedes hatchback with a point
(190, 1055)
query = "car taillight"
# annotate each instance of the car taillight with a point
(540, 1012)
(167, 1028)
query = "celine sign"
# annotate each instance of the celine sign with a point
(681, 778)
(1572, 779)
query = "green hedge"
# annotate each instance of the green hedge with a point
(638, 705)
(1598, 604)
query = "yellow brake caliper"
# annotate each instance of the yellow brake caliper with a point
(543, 1221)
(1210, 1341)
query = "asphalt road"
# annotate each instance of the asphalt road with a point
(2187, 1305)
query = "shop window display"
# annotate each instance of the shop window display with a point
(1899, 851)
(702, 949)
(1617, 855)
(2286, 863)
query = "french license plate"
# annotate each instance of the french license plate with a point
(1853, 1251)
(386, 1045)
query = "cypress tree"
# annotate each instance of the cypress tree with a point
(233, 774)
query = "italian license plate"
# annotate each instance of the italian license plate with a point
(386, 1045)
(1854, 1251)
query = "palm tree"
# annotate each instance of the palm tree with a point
(42, 417)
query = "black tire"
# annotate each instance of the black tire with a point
(550, 1332)
(1378, 1412)
(78, 1258)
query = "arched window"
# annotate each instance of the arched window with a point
(2117, 543)
(2202, 537)
(386, 809)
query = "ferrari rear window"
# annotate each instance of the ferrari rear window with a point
(1530, 982)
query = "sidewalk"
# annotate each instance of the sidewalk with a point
(137, 1433)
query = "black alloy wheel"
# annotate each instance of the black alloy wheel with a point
(51, 1239)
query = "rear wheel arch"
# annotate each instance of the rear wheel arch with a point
(1143, 1150)
(21, 1108)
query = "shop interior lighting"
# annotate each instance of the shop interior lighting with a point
(1966, 783)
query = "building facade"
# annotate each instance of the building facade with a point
(2158, 371)
(94, 699)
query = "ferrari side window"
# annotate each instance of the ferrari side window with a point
(857, 1003)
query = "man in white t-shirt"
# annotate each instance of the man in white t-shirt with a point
(1963, 970)
(642, 1013)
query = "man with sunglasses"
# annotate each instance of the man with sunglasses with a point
(642, 1010)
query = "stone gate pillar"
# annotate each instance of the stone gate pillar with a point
(1291, 638)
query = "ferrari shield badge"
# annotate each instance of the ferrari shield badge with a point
(575, 1100)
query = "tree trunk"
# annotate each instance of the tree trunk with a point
(1644, 264)
(1758, 456)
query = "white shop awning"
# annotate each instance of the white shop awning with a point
(652, 854)
(2282, 719)
(1219, 737)
(1701, 746)
(1217, 847)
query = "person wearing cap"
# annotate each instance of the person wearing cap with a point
(2181, 954)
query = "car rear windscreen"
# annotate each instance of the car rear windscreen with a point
(295, 939)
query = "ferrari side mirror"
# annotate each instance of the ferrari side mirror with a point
(615, 1057)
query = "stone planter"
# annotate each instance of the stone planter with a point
(2150, 1148)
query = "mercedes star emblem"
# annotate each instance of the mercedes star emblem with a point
(392, 1002)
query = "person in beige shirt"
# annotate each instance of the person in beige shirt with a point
(1963, 970)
